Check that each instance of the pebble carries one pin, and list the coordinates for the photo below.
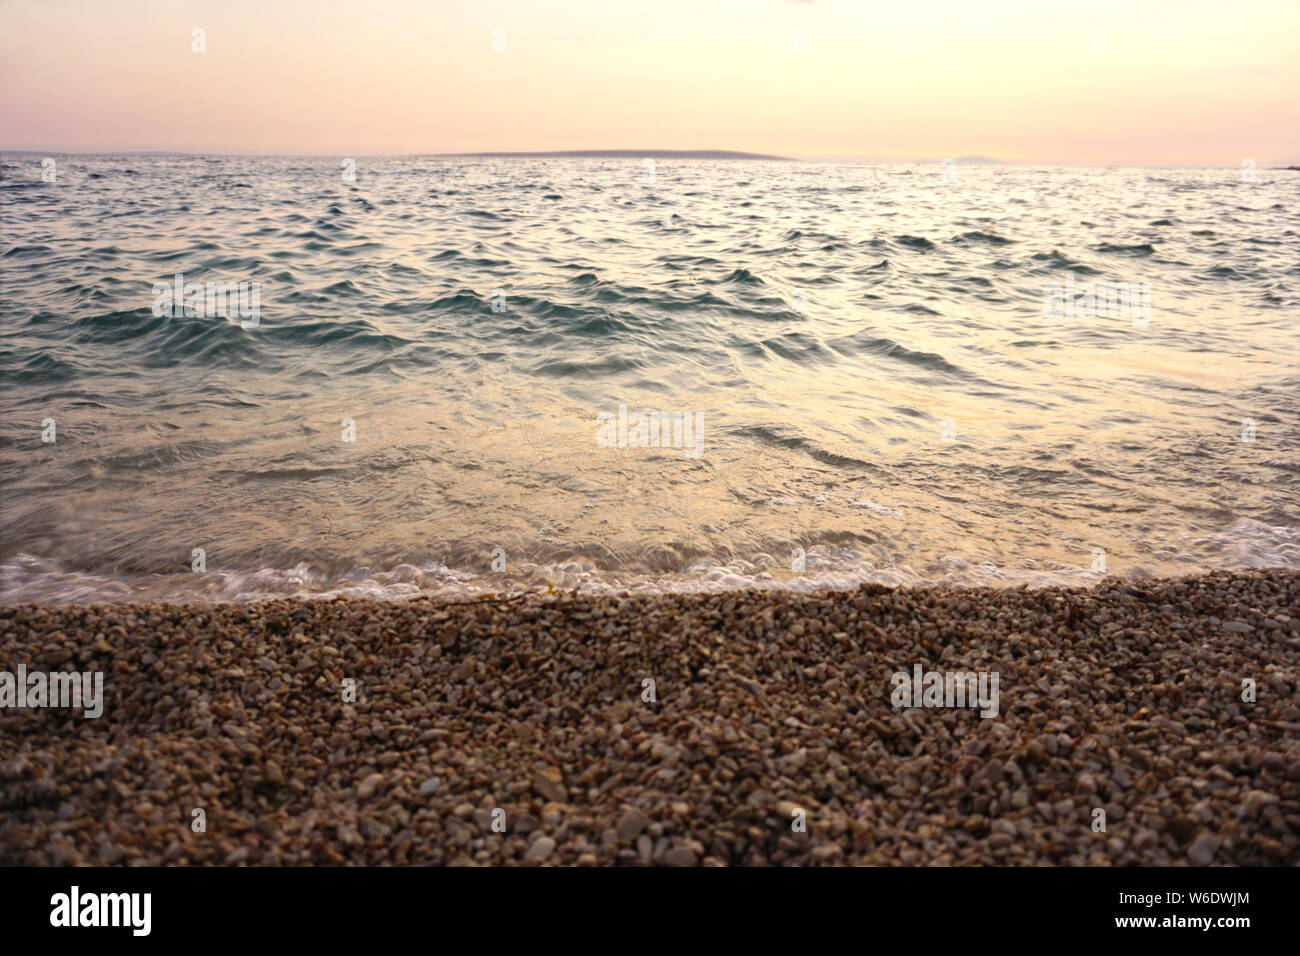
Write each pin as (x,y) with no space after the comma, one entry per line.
(540,849)
(679,856)
(1203,848)
(630,826)
(367,787)
(549,784)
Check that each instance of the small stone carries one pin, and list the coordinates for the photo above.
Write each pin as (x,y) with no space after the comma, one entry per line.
(367,787)
(630,825)
(680,856)
(1203,848)
(540,849)
(548,783)
(787,809)
(1182,827)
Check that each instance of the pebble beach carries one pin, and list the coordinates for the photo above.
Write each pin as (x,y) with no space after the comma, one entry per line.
(740,728)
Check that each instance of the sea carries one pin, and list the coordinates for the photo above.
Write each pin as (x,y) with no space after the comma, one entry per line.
(235,378)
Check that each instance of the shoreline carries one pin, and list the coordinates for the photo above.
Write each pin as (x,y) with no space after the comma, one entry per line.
(770,706)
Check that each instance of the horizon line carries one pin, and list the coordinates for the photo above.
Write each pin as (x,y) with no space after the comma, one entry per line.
(720,154)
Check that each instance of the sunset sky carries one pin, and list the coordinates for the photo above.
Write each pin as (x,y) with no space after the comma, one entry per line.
(1203,83)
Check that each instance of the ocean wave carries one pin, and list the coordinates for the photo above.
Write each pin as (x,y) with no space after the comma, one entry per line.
(27,579)
(1132,249)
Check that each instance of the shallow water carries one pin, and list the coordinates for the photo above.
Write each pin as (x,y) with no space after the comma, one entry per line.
(865,347)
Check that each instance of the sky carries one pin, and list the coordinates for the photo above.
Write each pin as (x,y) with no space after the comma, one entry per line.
(1179,82)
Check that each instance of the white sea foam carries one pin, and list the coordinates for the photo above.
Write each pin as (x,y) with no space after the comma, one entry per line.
(24,579)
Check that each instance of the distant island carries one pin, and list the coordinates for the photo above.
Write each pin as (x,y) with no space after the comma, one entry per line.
(627,154)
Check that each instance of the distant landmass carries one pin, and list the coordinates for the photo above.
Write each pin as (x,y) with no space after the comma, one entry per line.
(627,154)
(555,154)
